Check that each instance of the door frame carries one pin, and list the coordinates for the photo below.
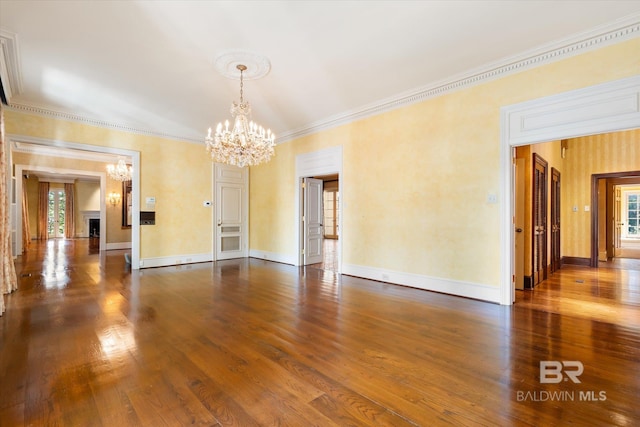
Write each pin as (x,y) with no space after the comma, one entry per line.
(237,177)
(135,187)
(595,178)
(602,108)
(323,162)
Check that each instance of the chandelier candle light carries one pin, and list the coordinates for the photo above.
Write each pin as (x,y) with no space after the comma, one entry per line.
(119,172)
(247,143)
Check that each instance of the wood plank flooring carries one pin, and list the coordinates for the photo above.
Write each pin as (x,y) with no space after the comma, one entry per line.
(87,342)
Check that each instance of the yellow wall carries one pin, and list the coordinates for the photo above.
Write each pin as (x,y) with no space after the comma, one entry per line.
(416,179)
(176,173)
(607,153)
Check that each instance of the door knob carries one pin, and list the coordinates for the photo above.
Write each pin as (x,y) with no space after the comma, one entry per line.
(518,230)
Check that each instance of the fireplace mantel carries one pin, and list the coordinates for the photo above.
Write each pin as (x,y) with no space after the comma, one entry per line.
(86,216)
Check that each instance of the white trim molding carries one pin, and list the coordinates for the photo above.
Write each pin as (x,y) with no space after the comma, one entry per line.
(428,283)
(322,162)
(605,108)
(608,107)
(272,256)
(172,260)
(118,246)
(72,117)
(10,72)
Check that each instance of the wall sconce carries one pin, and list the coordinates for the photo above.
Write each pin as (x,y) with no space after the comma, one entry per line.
(114,198)
(563,148)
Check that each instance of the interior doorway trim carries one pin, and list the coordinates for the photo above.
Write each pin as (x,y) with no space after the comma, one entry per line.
(593,262)
(135,187)
(20,170)
(322,162)
(607,107)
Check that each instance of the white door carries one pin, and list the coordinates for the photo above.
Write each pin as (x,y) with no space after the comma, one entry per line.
(231,220)
(313,214)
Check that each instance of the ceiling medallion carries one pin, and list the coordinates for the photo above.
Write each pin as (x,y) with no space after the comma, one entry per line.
(257,66)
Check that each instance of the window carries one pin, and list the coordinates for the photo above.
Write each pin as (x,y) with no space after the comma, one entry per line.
(631,211)
(56,214)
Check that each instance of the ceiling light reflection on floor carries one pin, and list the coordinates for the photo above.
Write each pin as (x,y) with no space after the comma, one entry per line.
(117,340)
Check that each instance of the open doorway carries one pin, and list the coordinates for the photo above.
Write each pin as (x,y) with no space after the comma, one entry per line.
(615,223)
(96,207)
(325,164)
(321,247)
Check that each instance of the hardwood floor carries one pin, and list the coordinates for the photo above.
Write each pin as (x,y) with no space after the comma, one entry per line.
(86,342)
(329,256)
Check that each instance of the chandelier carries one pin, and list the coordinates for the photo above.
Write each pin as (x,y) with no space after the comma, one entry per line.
(119,172)
(247,143)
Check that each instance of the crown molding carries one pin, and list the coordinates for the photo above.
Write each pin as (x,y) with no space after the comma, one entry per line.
(605,35)
(45,112)
(20,144)
(10,65)
(616,32)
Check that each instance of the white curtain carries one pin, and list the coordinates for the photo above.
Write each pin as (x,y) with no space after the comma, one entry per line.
(8,279)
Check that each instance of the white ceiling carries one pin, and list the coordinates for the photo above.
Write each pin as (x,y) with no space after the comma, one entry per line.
(149,65)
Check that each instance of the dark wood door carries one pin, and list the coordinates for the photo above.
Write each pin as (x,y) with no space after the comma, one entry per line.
(539,250)
(555,220)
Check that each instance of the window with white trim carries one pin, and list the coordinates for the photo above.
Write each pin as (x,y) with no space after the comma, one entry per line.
(631,211)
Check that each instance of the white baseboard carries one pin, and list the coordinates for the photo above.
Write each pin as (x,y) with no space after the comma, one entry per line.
(118,245)
(272,256)
(175,260)
(630,243)
(446,286)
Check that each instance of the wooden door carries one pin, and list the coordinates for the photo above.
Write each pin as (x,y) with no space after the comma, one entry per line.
(539,238)
(555,220)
